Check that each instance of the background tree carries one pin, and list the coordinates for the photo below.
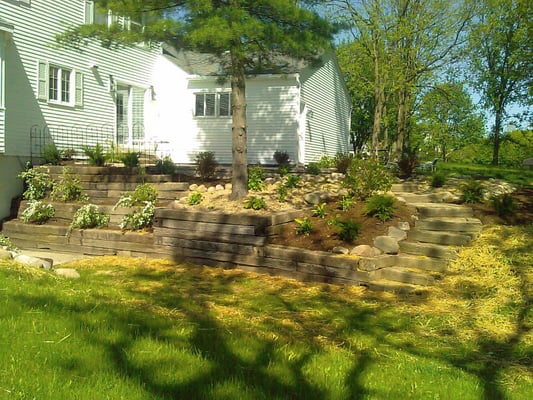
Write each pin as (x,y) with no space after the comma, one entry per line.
(501,59)
(246,35)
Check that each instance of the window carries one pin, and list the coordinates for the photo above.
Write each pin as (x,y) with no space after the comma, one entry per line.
(212,104)
(59,85)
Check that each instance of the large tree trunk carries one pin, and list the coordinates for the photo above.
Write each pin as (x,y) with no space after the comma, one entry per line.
(496,138)
(401,123)
(239,177)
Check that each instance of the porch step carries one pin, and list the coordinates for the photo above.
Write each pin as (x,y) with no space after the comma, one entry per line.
(427,249)
(438,237)
(464,225)
(429,210)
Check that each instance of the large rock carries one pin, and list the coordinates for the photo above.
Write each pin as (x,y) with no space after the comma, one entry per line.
(316,198)
(397,233)
(5,255)
(67,273)
(340,250)
(34,261)
(387,244)
(365,250)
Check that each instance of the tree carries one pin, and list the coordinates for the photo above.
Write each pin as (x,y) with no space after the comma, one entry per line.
(447,120)
(501,59)
(246,35)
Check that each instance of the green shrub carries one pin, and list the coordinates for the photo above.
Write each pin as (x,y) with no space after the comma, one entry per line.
(313,169)
(504,205)
(319,211)
(195,198)
(348,229)
(303,226)
(346,202)
(282,193)
(284,169)
(379,206)
(142,193)
(88,216)
(37,212)
(255,203)
(366,177)
(326,161)
(438,179)
(51,154)
(165,166)
(95,155)
(472,192)
(130,159)
(293,181)
(206,164)
(342,161)
(37,181)
(139,219)
(68,188)
(143,201)
(256,178)
(281,157)
(6,243)
(407,165)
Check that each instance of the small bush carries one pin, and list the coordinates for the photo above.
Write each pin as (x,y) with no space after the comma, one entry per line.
(504,205)
(37,181)
(206,164)
(143,201)
(326,161)
(438,179)
(472,192)
(142,193)
(165,166)
(346,202)
(255,203)
(88,216)
(130,159)
(256,178)
(312,169)
(95,155)
(319,211)
(195,198)
(284,170)
(37,212)
(303,226)
(407,165)
(366,177)
(51,154)
(379,206)
(293,181)
(342,162)
(281,157)
(139,219)
(6,243)
(68,188)
(282,193)
(349,230)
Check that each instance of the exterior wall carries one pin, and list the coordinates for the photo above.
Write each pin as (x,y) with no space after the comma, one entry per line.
(35,27)
(3,41)
(10,167)
(326,111)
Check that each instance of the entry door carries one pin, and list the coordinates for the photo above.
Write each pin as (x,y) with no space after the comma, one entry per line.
(123,125)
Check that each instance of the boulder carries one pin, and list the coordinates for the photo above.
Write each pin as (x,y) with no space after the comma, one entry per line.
(193,187)
(340,250)
(5,255)
(365,250)
(219,187)
(67,273)
(34,261)
(316,198)
(404,226)
(387,244)
(397,233)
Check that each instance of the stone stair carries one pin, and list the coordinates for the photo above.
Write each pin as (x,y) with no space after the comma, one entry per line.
(440,228)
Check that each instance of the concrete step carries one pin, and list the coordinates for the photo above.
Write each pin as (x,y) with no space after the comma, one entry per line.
(427,249)
(405,275)
(460,224)
(438,237)
(429,210)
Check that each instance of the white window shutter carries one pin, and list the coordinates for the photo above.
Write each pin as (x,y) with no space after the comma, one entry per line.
(78,91)
(42,81)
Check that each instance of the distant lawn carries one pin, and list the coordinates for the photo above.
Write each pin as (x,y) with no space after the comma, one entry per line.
(521,176)
(137,329)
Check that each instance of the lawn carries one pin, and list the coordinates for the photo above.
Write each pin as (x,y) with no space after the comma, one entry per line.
(150,329)
(521,177)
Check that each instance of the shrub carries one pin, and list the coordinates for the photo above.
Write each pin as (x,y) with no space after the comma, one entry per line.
(293,181)
(206,164)
(379,206)
(342,161)
(6,243)
(195,198)
(37,212)
(472,192)
(312,169)
(346,202)
(143,201)
(326,161)
(88,216)
(366,177)
(140,218)
(256,177)
(68,154)
(37,181)
(504,205)
(407,165)
(438,179)
(51,154)
(282,193)
(319,211)
(68,188)
(142,193)
(165,166)
(95,155)
(348,230)
(281,157)
(255,203)
(303,226)
(130,159)
(284,169)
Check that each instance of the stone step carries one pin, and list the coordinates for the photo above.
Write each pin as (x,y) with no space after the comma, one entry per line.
(404,275)
(403,260)
(405,187)
(421,198)
(438,237)
(427,249)
(470,225)
(383,285)
(429,210)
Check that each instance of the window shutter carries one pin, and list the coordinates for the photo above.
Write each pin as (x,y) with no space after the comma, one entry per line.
(78,91)
(42,81)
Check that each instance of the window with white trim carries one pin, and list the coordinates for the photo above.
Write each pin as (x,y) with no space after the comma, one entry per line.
(212,104)
(59,85)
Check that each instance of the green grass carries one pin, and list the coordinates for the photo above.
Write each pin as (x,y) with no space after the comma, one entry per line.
(521,177)
(138,329)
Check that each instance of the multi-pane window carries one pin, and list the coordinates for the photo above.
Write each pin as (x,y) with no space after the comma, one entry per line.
(212,104)
(59,84)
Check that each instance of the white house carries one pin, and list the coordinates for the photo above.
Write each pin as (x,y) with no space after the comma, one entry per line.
(171,101)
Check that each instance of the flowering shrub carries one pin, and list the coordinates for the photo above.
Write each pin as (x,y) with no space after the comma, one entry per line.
(367,177)
(140,218)
(68,188)
(37,181)
(143,201)
(37,212)
(88,216)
